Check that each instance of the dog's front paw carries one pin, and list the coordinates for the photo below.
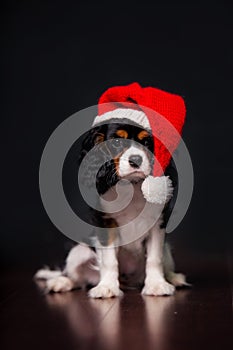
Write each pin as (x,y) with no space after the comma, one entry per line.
(105,291)
(159,288)
(59,284)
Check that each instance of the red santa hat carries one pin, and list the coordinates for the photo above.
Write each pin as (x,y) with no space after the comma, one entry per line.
(161,112)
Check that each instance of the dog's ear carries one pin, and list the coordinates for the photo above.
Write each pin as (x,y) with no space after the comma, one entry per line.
(77,164)
(170,171)
(94,161)
(92,137)
(106,177)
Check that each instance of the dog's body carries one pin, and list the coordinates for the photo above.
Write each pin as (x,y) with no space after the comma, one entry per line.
(132,251)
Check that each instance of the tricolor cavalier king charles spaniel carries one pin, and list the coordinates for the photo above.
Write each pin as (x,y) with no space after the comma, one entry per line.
(144,262)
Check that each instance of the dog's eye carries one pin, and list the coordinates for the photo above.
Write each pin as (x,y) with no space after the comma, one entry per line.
(146,142)
(116,143)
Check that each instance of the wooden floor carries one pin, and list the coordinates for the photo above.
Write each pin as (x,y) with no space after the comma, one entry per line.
(196,318)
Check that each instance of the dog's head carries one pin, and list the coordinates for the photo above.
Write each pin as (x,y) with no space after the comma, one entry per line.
(129,149)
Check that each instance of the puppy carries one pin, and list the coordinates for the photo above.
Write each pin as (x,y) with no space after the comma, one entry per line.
(128,252)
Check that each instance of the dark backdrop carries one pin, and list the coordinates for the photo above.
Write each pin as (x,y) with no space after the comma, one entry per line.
(57,58)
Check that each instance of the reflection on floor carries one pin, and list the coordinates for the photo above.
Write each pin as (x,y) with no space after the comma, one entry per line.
(196,318)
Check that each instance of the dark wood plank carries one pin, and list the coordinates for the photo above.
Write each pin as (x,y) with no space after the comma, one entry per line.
(196,318)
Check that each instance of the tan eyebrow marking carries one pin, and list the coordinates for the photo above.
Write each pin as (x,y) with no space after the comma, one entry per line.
(122,133)
(99,138)
(143,134)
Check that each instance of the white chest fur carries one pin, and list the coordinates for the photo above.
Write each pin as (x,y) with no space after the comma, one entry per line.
(136,217)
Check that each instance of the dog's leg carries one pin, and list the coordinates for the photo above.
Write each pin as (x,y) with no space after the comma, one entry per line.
(155,283)
(80,270)
(109,283)
(82,266)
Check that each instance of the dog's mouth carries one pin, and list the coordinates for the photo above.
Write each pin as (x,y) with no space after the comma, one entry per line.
(135,176)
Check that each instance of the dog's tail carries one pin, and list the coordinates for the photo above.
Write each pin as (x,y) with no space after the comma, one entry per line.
(177,279)
(47,274)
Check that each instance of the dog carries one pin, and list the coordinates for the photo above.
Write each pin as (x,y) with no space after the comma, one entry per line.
(142,261)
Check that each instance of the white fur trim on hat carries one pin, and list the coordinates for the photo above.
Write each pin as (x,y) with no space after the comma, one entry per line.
(157,189)
(136,116)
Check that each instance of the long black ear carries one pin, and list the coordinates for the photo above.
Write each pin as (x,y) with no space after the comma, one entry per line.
(71,168)
(92,163)
(170,171)
(91,138)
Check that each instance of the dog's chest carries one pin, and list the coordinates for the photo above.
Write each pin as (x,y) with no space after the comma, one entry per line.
(130,204)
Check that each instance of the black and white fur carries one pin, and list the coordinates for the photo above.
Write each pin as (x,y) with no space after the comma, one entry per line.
(144,263)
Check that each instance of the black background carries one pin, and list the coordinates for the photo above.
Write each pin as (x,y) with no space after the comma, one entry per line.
(58,58)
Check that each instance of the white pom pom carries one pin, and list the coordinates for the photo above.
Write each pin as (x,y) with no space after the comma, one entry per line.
(157,189)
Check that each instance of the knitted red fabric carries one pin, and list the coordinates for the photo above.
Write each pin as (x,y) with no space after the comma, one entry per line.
(165,112)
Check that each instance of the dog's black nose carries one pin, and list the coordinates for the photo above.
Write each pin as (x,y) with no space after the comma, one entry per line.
(135,161)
